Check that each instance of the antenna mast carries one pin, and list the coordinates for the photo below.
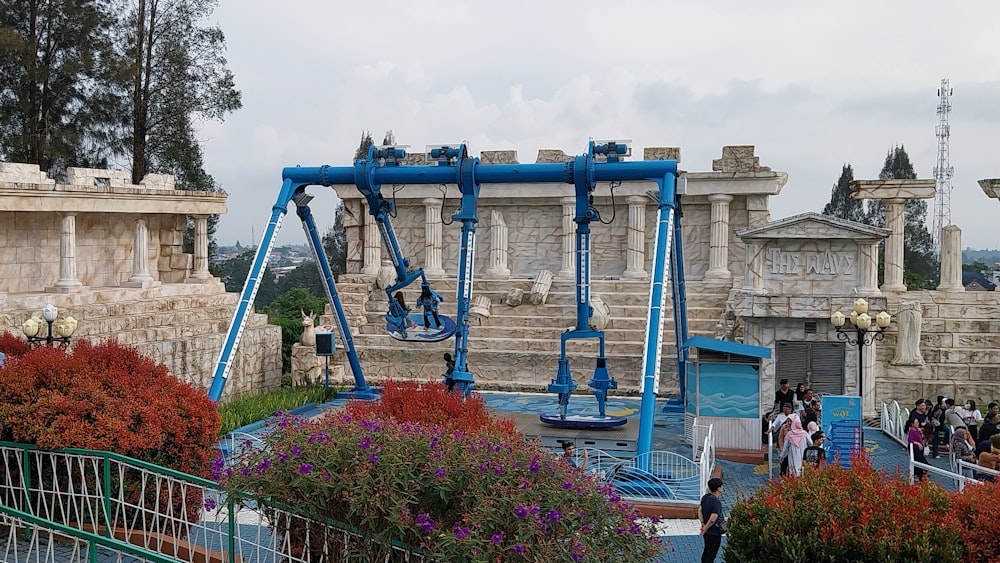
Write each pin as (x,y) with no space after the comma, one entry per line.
(943,171)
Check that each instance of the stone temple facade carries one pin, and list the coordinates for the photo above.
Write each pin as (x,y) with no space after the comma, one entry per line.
(110,255)
(765,282)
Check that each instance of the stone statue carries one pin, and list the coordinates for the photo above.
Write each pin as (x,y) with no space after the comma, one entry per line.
(601,313)
(908,343)
(308,337)
(728,325)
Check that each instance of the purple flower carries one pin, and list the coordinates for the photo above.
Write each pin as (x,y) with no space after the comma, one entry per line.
(425,522)
(460,532)
(263,466)
(373,458)
(533,468)
(554,515)
(365,443)
(533,509)
(282,458)
(517,548)
(218,464)
(521,511)
(296,450)
(497,539)
(434,443)
(210,504)
(305,468)
(370,425)
(567,486)
(440,473)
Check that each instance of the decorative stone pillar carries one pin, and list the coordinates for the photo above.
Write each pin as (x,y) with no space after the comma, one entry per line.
(432,233)
(951,259)
(568,271)
(199,271)
(718,254)
(635,256)
(868,270)
(140,254)
(753,279)
(497,267)
(373,245)
(894,245)
(871,374)
(67,255)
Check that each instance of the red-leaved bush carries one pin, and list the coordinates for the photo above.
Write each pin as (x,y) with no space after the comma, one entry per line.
(108,397)
(12,345)
(978,509)
(431,403)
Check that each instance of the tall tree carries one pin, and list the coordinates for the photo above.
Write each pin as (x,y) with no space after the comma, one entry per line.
(841,203)
(919,262)
(56,82)
(177,76)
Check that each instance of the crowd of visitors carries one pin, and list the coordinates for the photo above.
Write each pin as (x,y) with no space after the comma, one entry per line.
(795,429)
(969,435)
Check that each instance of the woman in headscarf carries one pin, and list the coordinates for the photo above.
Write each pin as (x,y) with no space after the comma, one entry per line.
(962,449)
(796,442)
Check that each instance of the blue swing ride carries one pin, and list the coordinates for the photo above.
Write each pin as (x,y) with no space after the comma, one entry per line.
(603,162)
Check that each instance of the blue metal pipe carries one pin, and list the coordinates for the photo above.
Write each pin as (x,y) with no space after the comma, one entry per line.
(361,389)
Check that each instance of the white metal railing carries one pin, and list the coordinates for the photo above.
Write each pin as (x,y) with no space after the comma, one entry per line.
(770,453)
(893,422)
(698,433)
(707,459)
(974,468)
(961,480)
(652,477)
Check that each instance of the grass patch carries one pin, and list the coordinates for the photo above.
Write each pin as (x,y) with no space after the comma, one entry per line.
(247,409)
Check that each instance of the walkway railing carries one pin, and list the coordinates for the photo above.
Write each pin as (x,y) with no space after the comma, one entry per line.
(960,480)
(893,422)
(651,478)
(159,511)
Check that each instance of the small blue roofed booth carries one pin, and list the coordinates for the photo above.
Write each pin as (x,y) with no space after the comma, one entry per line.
(723,390)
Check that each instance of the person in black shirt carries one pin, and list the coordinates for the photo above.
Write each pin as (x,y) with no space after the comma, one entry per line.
(783,394)
(815,455)
(989,427)
(449,369)
(713,523)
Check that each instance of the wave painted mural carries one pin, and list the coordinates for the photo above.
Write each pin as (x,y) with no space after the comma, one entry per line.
(724,390)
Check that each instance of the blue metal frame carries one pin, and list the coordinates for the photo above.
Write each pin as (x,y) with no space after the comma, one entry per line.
(453,167)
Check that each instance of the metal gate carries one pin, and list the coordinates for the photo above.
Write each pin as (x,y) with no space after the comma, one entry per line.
(819,364)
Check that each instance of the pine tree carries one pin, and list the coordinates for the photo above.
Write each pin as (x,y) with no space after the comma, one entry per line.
(841,203)
(919,262)
(56,82)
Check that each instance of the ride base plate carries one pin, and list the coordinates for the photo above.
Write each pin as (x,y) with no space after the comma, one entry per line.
(583,421)
(417,332)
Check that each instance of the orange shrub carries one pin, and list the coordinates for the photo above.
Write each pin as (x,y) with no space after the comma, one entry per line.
(978,509)
(431,403)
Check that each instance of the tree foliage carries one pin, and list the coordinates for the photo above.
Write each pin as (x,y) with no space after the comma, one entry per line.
(57,82)
(841,204)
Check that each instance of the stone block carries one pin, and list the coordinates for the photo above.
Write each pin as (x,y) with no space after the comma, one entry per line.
(540,289)
(180,261)
(97,177)
(498,157)
(552,155)
(661,153)
(20,173)
(158,181)
(480,307)
(514,297)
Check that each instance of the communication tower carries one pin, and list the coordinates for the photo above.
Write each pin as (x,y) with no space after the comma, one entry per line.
(943,171)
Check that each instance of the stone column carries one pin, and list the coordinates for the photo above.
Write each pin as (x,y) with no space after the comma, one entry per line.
(432,234)
(568,271)
(718,254)
(140,253)
(635,256)
(199,271)
(373,245)
(753,280)
(498,247)
(951,259)
(67,254)
(894,245)
(868,269)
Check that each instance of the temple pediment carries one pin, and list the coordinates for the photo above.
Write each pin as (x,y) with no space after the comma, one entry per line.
(813,226)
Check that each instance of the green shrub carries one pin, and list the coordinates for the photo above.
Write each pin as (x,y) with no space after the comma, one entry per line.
(844,515)
(456,495)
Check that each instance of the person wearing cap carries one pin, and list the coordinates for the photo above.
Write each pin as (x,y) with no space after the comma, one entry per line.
(815,455)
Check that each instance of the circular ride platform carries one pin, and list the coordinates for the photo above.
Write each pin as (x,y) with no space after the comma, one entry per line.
(583,421)
(417,333)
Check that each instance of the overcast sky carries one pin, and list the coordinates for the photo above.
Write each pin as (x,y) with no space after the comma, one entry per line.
(812,85)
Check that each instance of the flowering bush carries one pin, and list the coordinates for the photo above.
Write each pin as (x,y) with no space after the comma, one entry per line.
(431,403)
(838,514)
(108,397)
(456,495)
(978,509)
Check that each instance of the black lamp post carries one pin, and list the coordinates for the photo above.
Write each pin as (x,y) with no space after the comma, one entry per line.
(861,333)
(61,334)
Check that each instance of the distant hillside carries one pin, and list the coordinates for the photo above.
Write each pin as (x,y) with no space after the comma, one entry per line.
(988,257)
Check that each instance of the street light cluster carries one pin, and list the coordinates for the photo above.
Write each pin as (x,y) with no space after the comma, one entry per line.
(59,332)
(861,333)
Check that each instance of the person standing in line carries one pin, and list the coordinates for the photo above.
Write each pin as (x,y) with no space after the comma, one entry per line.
(794,447)
(449,369)
(713,522)
(784,394)
(815,455)
(915,441)
(972,418)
